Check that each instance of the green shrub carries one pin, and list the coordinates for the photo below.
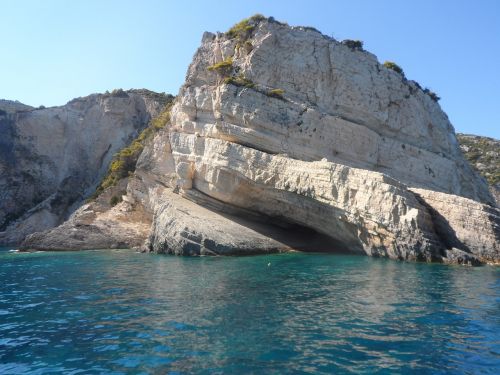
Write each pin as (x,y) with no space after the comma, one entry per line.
(276,93)
(394,66)
(124,162)
(115,200)
(310,28)
(353,44)
(160,121)
(119,93)
(239,81)
(222,66)
(243,29)
(418,85)
(432,94)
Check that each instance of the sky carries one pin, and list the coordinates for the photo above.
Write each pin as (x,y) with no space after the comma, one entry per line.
(55,50)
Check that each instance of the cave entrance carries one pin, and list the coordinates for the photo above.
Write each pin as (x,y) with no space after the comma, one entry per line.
(303,238)
(293,235)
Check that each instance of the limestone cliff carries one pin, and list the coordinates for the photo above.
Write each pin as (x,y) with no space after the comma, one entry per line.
(283,138)
(52,158)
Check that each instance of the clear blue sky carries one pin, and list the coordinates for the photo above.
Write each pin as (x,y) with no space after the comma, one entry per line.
(55,50)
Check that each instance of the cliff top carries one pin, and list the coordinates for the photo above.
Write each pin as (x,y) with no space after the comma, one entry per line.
(243,31)
(13,106)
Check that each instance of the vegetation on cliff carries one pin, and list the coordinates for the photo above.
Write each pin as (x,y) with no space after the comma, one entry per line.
(223,66)
(393,66)
(276,93)
(243,29)
(484,155)
(432,94)
(355,45)
(240,81)
(124,162)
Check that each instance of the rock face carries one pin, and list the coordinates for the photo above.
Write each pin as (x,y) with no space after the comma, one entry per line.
(50,159)
(283,138)
(484,155)
(344,106)
(97,225)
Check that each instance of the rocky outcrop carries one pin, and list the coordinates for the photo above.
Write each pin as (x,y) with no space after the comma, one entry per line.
(97,225)
(185,228)
(282,138)
(484,155)
(463,224)
(52,158)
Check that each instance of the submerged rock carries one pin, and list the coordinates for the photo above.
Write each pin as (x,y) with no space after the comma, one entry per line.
(282,136)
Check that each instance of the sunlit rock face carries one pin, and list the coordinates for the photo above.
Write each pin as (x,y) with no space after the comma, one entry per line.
(336,150)
(339,104)
(282,137)
(52,158)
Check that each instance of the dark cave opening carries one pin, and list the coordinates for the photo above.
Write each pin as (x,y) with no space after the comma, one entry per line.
(302,238)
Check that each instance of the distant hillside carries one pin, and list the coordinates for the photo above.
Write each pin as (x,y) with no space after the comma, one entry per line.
(484,155)
(11,106)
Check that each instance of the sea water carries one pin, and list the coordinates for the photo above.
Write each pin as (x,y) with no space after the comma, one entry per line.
(123,312)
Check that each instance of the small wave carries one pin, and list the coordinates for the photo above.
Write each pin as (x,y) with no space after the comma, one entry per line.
(24,252)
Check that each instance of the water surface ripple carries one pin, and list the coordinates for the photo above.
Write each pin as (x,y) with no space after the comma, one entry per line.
(122,312)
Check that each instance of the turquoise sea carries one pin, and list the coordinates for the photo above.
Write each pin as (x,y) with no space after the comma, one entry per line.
(121,312)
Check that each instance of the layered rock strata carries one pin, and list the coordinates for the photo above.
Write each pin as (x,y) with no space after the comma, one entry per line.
(281,130)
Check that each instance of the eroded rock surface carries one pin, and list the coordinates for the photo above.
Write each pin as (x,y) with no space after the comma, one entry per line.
(52,158)
(287,129)
(97,225)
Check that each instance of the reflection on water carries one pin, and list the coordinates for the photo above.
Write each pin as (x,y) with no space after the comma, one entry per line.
(122,312)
